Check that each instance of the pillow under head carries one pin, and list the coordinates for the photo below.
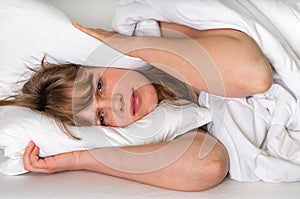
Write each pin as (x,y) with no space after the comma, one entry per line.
(32,29)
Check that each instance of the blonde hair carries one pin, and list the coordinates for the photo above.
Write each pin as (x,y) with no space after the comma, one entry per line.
(168,87)
(50,91)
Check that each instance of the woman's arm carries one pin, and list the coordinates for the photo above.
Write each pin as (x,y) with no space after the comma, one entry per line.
(222,62)
(178,165)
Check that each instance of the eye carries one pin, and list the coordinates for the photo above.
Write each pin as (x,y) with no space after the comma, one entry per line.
(102,118)
(100,86)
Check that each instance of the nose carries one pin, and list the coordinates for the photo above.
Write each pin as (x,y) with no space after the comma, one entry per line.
(114,102)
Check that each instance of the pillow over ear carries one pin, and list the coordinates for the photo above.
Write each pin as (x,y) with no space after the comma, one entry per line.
(32,29)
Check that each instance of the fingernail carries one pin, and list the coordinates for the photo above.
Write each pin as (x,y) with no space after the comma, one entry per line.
(75,23)
(30,143)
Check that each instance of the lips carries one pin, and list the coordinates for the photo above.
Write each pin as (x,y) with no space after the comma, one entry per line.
(135,102)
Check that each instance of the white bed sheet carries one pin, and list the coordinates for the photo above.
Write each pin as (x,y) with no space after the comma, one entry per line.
(84,184)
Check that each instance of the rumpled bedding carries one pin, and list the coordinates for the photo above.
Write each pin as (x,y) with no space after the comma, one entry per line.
(260,132)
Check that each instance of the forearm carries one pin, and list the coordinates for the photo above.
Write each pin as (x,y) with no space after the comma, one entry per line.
(218,64)
(174,165)
(222,61)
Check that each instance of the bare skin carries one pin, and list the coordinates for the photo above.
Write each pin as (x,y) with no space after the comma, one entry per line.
(225,62)
(186,171)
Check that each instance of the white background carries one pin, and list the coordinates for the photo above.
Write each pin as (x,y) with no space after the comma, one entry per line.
(92,13)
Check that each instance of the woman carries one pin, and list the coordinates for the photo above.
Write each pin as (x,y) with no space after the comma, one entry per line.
(118,97)
(188,171)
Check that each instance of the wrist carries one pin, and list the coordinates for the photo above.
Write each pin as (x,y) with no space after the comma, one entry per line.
(80,160)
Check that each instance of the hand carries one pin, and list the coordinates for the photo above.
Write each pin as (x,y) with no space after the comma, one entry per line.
(53,164)
(121,43)
(98,33)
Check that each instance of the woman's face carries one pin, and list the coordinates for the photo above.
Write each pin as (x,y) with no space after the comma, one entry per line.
(120,97)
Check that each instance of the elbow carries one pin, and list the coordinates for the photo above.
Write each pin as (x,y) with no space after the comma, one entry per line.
(262,86)
(262,78)
(209,171)
(199,181)
(216,169)
(217,172)
(259,73)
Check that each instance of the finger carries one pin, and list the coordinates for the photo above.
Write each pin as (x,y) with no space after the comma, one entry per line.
(26,155)
(29,146)
(34,155)
(82,28)
(35,160)
(88,31)
(77,25)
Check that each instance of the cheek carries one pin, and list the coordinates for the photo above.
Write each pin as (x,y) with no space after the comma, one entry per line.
(152,99)
(149,100)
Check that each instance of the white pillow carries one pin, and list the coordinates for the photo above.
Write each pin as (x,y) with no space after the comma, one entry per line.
(20,125)
(29,30)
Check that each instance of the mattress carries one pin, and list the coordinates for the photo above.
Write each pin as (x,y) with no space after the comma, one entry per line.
(85,184)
